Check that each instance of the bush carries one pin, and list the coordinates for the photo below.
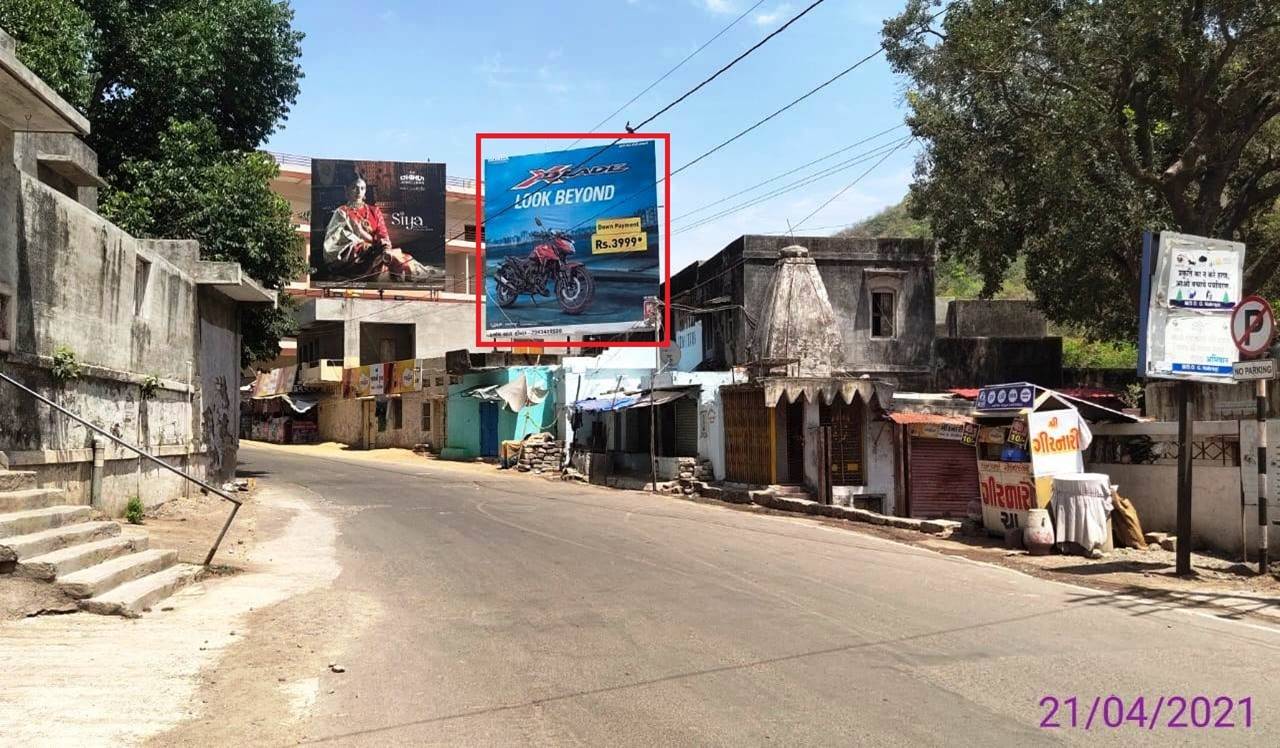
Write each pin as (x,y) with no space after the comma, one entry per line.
(134,511)
(66,368)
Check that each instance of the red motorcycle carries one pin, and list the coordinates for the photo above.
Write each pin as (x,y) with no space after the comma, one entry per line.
(574,288)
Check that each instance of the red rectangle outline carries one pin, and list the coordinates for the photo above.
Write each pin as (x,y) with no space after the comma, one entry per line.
(665,137)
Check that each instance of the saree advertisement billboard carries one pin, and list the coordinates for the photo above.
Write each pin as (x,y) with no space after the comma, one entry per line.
(377,224)
(571,242)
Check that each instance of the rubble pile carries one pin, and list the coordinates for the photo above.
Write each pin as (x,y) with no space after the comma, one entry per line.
(541,454)
(691,475)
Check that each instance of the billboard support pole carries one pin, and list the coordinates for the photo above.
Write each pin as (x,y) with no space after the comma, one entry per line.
(1261,397)
(653,417)
(1185,434)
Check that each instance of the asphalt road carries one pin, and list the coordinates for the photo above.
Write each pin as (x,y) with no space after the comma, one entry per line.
(518,611)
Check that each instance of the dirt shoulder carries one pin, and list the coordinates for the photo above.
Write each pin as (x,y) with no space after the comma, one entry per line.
(281,548)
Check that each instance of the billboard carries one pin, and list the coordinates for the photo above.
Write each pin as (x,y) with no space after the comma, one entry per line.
(571,242)
(377,224)
(1190,284)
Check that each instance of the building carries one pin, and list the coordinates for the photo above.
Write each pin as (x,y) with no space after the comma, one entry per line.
(139,337)
(799,419)
(880,293)
(345,329)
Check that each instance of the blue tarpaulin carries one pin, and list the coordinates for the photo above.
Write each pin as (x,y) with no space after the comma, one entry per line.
(601,404)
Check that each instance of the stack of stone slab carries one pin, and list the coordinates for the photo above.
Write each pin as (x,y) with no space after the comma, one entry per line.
(692,473)
(542,453)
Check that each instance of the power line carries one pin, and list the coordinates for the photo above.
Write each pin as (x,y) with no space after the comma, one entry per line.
(797,184)
(802,182)
(788,173)
(667,74)
(730,64)
(849,186)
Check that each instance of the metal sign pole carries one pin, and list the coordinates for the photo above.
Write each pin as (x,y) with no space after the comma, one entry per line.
(1262,476)
(1185,435)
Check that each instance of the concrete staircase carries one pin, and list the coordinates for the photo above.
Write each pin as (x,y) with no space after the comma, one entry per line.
(104,567)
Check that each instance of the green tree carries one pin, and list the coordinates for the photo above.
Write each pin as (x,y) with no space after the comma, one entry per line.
(179,94)
(1059,130)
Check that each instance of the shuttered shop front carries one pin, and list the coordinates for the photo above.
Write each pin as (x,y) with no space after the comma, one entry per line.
(942,477)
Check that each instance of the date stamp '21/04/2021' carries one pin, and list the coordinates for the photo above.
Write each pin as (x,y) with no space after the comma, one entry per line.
(1148,713)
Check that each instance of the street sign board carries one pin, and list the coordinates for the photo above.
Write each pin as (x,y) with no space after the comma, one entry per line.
(1006,396)
(1253,325)
(1189,286)
(1263,368)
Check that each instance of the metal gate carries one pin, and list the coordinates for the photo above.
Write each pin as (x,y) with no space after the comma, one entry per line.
(847,421)
(748,436)
(942,477)
(686,421)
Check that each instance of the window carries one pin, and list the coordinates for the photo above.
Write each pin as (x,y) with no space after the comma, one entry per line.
(426,416)
(7,309)
(142,273)
(882,314)
(469,232)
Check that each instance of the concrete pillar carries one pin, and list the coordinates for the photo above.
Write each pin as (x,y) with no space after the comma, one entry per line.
(99,461)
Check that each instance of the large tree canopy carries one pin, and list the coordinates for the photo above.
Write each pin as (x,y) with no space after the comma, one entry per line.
(179,94)
(1061,129)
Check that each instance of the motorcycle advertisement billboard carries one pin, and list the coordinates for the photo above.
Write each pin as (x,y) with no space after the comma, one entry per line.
(571,242)
(377,224)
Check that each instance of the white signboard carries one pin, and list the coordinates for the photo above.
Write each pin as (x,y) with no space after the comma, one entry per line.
(1264,368)
(1056,439)
(1194,286)
(1203,278)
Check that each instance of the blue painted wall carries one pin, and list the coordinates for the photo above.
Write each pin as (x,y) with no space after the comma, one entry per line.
(462,440)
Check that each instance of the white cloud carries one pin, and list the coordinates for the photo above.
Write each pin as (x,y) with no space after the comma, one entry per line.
(768,18)
(718,6)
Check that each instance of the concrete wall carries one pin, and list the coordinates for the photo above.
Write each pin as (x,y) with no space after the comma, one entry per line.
(77,283)
(974,362)
(995,318)
(1216,499)
(439,326)
(341,420)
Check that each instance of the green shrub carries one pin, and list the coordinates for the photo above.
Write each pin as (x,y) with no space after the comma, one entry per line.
(66,367)
(134,511)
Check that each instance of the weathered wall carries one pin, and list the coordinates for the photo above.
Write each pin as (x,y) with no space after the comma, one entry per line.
(218,412)
(78,285)
(1208,401)
(439,326)
(850,269)
(974,362)
(995,318)
(710,412)
(341,420)
(59,450)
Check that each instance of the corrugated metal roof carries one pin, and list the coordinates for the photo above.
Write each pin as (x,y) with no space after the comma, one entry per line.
(909,418)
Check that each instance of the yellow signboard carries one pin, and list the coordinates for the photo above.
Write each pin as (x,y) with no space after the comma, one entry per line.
(619,235)
(618,226)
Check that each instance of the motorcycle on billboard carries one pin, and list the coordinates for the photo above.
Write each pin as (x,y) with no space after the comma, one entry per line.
(571,242)
(571,282)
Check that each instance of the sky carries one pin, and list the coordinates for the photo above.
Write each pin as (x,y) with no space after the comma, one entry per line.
(415,80)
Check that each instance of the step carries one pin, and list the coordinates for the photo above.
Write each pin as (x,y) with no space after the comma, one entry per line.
(35,520)
(17,480)
(65,561)
(30,498)
(37,543)
(133,598)
(109,574)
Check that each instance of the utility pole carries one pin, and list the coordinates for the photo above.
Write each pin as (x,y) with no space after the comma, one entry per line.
(653,408)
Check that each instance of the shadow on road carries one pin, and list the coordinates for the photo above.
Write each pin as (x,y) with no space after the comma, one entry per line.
(1141,601)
